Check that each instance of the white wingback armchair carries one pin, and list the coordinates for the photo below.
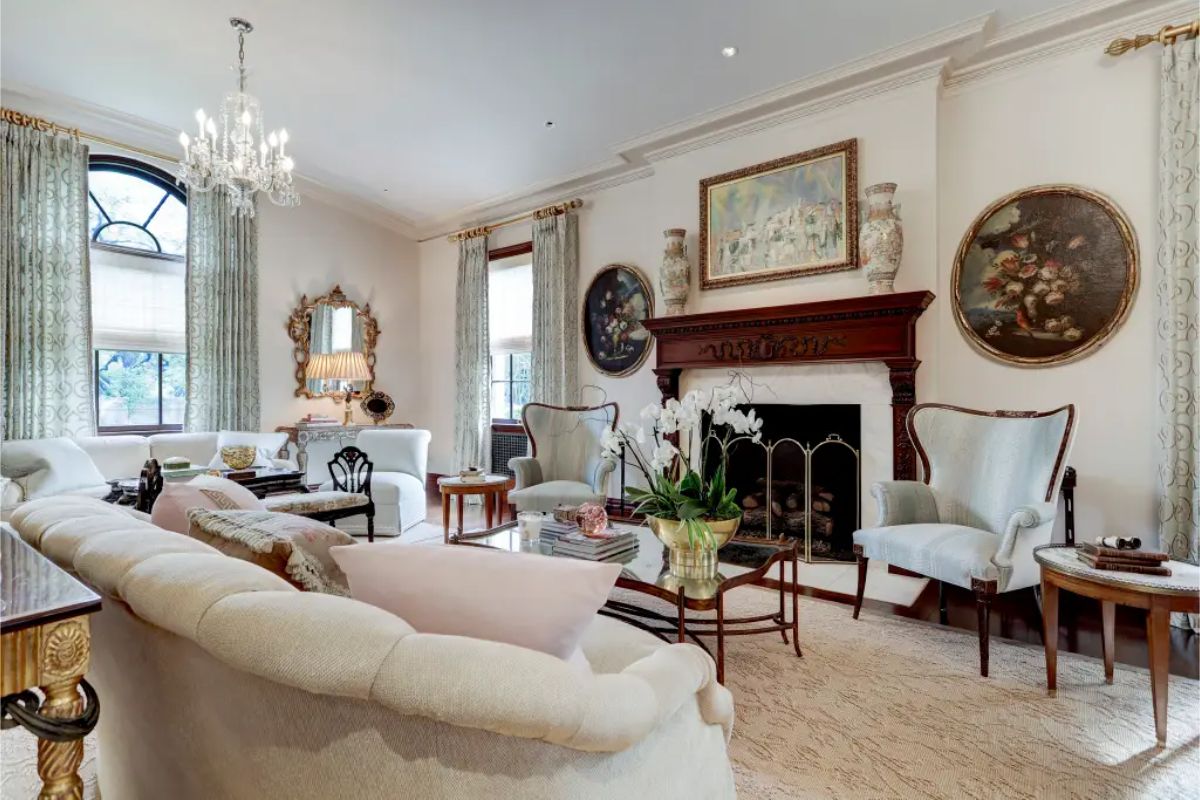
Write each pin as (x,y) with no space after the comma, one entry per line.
(566,465)
(988,498)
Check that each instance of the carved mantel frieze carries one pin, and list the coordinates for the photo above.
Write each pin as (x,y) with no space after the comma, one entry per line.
(875,328)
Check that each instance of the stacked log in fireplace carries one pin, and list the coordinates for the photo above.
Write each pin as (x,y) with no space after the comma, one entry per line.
(786,506)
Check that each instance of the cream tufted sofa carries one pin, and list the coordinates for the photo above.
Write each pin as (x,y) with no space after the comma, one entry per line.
(218,679)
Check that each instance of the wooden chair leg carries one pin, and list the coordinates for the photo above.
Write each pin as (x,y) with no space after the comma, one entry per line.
(370,528)
(943,614)
(862,578)
(984,592)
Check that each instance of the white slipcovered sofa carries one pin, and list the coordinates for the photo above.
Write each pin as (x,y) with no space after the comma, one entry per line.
(219,679)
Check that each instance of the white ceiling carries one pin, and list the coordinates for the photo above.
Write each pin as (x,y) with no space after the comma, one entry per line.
(432,108)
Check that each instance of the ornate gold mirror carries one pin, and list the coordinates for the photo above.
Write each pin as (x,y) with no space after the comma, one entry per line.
(332,323)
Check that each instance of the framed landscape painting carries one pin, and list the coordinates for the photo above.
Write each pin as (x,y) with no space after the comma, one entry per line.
(792,216)
(616,302)
(1045,275)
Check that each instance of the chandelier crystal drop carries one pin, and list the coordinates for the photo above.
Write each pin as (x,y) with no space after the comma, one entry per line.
(230,150)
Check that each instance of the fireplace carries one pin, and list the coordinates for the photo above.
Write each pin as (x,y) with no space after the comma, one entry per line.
(803,480)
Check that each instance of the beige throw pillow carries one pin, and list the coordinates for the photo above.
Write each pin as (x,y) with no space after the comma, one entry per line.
(294,548)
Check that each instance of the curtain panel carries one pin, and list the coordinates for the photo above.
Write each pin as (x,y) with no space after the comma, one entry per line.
(1178,306)
(45,302)
(472,364)
(222,316)
(556,327)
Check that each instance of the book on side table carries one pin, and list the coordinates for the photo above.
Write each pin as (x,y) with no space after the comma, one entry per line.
(1121,559)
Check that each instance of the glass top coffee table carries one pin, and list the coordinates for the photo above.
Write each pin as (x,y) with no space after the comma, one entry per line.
(646,571)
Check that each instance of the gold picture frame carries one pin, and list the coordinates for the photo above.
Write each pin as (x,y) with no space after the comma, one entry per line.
(612,363)
(1045,275)
(811,197)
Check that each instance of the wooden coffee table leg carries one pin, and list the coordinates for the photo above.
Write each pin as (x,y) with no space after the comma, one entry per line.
(796,604)
(445,517)
(1050,631)
(721,637)
(488,501)
(1158,638)
(682,620)
(460,513)
(1108,614)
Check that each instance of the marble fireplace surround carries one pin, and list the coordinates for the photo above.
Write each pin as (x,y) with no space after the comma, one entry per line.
(864,331)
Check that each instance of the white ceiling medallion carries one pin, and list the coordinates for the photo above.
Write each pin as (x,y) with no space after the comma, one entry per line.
(232,152)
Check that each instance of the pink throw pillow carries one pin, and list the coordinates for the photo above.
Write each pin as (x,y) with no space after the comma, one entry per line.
(203,491)
(534,601)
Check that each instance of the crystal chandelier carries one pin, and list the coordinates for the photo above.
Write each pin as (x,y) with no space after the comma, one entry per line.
(231,150)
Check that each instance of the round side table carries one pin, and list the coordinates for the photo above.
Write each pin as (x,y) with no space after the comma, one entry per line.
(1158,594)
(494,489)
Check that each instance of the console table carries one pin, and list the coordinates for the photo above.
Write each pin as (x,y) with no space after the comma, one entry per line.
(45,642)
(301,433)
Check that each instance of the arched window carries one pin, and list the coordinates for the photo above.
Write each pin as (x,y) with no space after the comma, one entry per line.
(138,227)
(135,206)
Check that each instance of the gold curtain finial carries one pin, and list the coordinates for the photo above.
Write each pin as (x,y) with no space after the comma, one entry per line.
(540,213)
(1166,36)
(14,117)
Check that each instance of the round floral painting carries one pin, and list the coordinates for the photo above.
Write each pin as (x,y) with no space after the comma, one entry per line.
(617,301)
(1045,275)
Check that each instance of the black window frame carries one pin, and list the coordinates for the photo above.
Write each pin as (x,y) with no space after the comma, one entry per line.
(117,430)
(151,174)
(511,419)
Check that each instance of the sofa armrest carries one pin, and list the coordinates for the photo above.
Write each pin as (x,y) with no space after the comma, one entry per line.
(600,479)
(1038,518)
(527,469)
(904,503)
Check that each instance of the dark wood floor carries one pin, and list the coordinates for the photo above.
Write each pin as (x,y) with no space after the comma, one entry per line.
(1014,616)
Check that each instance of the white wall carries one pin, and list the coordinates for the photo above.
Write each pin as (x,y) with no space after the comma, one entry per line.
(1071,118)
(308,249)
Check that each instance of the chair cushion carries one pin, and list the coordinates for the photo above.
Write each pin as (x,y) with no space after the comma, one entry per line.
(951,553)
(545,496)
(203,491)
(47,467)
(294,548)
(311,502)
(529,600)
(386,487)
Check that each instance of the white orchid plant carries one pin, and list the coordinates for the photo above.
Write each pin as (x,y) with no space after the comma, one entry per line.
(672,446)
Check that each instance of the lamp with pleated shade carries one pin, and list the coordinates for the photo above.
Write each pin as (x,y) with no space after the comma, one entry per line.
(342,366)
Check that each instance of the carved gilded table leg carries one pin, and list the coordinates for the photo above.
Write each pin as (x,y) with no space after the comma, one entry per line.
(58,762)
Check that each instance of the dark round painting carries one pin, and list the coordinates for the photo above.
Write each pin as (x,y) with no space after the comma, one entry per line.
(1045,275)
(615,304)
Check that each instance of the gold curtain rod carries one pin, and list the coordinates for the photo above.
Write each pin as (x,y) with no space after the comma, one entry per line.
(1166,36)
(540,213)
(37,123)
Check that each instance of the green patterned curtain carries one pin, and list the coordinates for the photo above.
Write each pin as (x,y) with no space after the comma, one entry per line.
(555,377)
(222,316)
(472,358)
(45,300)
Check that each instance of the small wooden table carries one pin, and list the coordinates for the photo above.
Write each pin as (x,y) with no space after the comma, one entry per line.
(45,643)
(494,489)
(1158,594)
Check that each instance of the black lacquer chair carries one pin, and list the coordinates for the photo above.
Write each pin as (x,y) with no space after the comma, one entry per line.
(351,471)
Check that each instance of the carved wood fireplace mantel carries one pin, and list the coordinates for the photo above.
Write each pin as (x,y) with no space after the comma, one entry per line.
(873,328)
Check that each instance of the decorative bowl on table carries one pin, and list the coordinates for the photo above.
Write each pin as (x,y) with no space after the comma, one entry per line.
(176,462)
(238,456)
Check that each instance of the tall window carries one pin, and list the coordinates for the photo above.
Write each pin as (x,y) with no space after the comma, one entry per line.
(138,224)
(510,326)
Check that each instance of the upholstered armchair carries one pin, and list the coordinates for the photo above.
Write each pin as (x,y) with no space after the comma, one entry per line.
(989,496)
(566,465)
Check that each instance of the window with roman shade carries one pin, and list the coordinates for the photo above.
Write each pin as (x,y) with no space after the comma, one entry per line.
(510,330)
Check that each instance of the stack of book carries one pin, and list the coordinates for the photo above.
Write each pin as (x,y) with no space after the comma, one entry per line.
(552,530)
(620,546)
(1144,562)
(320,419)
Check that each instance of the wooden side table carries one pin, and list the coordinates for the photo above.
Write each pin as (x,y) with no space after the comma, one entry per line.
(45,643)
(494,489)
(1158,594)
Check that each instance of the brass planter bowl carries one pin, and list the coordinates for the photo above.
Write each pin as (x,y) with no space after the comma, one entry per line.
(238,456)
(693,560)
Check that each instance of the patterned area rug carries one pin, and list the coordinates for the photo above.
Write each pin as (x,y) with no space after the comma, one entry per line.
(891,708)
(885,707)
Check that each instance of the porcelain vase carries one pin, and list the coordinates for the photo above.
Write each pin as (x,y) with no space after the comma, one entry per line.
(675,277)
(881,239)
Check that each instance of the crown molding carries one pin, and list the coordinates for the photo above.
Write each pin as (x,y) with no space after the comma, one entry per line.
(1082,25)
(139,132)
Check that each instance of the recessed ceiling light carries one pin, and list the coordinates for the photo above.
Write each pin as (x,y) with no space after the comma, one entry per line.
(549,123)
(729,52)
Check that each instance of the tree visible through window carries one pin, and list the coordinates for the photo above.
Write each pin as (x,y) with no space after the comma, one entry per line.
(510,329)
(138,225)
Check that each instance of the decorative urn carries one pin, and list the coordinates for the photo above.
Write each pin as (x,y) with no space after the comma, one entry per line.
(881,239)
(675,278)
(693,557)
